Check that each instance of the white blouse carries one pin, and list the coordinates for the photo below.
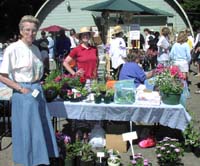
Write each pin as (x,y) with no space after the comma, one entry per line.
(117,52)
(22,62)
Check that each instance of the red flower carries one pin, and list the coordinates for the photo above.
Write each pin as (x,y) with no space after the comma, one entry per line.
(58,79)
(82,80)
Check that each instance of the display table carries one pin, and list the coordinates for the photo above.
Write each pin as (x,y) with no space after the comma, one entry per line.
(173,116)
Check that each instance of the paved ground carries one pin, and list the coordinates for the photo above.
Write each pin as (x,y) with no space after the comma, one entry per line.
(189,159)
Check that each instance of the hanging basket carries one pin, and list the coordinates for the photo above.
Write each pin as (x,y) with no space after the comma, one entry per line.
(171,99)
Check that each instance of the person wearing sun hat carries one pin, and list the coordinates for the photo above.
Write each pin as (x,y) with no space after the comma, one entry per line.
(117,50)
(85,55)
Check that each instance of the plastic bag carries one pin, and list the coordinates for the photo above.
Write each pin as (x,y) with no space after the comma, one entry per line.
(97,136)
(124,92)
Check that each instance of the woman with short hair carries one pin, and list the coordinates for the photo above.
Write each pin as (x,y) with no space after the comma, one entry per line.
(33,137)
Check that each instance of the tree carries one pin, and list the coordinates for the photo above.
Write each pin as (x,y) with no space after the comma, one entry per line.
(11,12)
(192,8)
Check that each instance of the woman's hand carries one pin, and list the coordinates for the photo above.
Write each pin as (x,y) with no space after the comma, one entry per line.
(24,90)
(80,72)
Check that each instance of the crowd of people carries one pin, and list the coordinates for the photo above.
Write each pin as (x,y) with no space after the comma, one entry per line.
(26,60)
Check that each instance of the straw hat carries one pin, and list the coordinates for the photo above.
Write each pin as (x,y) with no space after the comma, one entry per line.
(84,30)
(117,29)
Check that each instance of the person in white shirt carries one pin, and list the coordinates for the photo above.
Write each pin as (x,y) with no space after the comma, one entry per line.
(33,137)
(74,41)
(117,51)
(163,46)
(148,37)
(51,46)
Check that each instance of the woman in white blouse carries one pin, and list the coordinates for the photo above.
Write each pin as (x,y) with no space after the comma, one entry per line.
(163,46)
(117,50)
(22,68)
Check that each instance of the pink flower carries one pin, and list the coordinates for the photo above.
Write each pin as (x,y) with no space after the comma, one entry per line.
(67,140)
(174,70)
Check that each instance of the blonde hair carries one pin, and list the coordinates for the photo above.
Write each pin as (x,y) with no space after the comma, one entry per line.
(182,37)
(28,18)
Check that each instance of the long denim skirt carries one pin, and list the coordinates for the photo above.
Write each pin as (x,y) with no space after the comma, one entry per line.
(33,136)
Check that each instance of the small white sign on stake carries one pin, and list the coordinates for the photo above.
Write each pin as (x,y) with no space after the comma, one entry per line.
(130,136)
(100,155)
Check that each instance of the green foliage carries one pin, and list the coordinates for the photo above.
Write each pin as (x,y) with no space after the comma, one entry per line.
(114,160)
(192,8)
(77,148)
(110,92)
(70,151)
(86,152)
(191,135)
(50,81)
(52,75)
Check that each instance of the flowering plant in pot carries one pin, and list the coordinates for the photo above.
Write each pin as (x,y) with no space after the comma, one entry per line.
(71,87)
(62,140)
(50,87)
(139,160)
(169,81)
(169,152)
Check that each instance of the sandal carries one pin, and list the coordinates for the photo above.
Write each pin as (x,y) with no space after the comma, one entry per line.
(197,92)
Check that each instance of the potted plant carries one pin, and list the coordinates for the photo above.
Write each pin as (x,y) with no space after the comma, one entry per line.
(66,150)
(50,91)
(114,161)
(170,82)
(108,98)
(95,88)
(71,87)
(139,160)
(103,161)
(114,158)
(169,152)
(50,86)
(70,154)
(77,151)
(192,139)
(87,155)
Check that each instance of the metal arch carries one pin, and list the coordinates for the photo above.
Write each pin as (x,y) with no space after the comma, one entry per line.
(44,4)
(187,19)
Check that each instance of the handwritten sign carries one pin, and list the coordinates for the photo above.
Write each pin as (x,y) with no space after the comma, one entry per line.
(130,136)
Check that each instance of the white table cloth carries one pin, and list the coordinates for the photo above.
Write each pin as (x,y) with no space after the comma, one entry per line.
(174,116)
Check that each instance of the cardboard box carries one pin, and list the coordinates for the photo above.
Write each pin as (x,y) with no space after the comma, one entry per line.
(115,141)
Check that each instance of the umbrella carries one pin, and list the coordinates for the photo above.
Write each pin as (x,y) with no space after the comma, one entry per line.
(121,6)
(53,28)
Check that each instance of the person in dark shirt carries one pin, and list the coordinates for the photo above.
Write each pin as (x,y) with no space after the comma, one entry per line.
(63,44)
